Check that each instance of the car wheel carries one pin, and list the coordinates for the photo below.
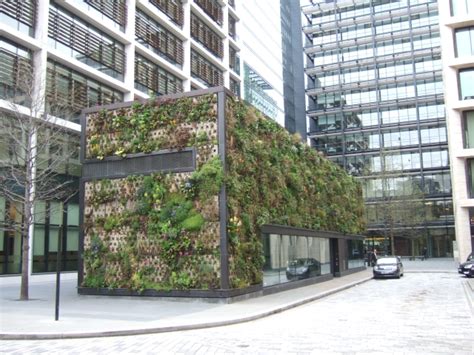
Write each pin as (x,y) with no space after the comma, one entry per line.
(398,276)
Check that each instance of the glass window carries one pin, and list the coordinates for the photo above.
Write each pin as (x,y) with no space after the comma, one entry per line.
(461,7)
(68,92)
(466,83)
(470,181)
(465,38)
(358,165)
(399,114)
(367,118)
(435,159)
(15,72)
(290,258)
(437,184)
(96,49)
(329,145)
(433,135)
(20,15)
(154,80)
(400,138)
(328,123)
(430,88)
(431,111)
(469,129)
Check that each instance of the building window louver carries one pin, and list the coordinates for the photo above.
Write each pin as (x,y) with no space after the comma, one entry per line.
(154,80)
(171,8)
(115,10)
(23,12)
(100,52)
(212,9)
(206,36)
(157,38)
(202,69)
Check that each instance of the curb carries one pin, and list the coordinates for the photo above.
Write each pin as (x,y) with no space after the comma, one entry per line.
(142,331)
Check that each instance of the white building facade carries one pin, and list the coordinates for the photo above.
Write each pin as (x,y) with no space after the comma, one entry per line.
(457,35)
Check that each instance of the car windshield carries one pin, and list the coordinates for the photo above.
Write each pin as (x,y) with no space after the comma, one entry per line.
(386,261)
(297,262)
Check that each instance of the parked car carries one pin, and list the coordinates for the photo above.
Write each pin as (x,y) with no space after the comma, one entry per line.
(303,268)
(467,268)
(388,266)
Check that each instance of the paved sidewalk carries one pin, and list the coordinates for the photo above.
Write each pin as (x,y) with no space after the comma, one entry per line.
(97,316)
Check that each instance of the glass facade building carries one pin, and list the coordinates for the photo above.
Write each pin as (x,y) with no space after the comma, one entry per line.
(377,108)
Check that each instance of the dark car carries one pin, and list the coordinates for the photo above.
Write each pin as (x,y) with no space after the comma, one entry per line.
(303,268)
(467,268)
(388,266)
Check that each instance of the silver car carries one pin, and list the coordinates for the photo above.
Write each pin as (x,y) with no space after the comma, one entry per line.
(388,266)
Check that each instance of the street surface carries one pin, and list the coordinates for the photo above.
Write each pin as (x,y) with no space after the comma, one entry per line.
(418,314)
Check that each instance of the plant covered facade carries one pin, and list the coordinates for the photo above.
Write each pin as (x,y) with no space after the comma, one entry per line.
(175,190)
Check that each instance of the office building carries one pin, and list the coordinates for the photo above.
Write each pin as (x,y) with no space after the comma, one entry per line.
(457,35)
(262,57)
(377,108)
(293,67)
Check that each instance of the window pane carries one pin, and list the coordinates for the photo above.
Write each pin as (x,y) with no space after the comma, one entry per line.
(470,181)
(464,38)
(469,130)
(466,81)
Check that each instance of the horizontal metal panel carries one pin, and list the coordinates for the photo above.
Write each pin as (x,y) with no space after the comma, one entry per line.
(165,161)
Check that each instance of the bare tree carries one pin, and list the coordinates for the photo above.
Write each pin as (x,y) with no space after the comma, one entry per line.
(402,205)
(35,166)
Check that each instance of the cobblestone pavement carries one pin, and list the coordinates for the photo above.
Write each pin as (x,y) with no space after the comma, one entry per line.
(418,314)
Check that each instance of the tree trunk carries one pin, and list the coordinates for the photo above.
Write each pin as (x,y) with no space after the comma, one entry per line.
(28,204)
(25,274)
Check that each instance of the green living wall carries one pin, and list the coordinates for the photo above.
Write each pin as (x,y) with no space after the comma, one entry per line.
(162,231)
(273,178)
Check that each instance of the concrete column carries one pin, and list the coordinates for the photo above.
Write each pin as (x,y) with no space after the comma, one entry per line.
(225,59)
(129,77)
(187,45)
(454,119)
(37,108)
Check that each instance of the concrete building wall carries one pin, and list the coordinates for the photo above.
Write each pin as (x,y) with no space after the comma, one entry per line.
(457,106)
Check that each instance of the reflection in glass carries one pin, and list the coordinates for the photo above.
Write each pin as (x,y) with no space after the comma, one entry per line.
(466,82)
(290,258)
(461,7)
(470,181)
(355,250)
(469,129)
